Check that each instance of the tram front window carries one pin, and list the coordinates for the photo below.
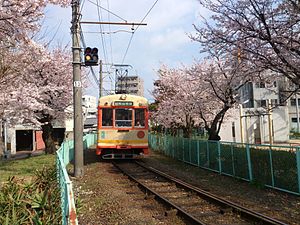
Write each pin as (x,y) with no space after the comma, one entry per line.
(107,115)
(139,118)
(123,118)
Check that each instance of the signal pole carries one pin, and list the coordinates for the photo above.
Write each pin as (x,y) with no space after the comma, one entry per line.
(100,78)
(77,91)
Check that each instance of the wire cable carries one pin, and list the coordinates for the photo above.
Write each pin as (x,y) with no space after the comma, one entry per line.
(136,30)
(108,11)
(110,38)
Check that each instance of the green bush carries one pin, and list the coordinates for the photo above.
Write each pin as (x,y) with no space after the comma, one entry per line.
(37,202)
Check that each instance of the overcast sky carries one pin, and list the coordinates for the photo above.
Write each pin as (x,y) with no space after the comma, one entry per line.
(163,40)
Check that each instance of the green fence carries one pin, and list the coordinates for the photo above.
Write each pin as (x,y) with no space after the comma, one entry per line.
(64,155)
(277,167)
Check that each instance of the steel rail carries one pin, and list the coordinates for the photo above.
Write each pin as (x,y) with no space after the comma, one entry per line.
(244,212)
(180,212)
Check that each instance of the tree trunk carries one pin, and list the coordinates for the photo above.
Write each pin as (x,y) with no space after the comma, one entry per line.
(1,147)
(213,136)
(187,132)
(48,139)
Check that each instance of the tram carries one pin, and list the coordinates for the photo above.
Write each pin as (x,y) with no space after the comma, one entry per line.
(122,127)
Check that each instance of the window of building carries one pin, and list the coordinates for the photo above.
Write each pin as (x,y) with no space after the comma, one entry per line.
(262,103)
(260,85)
(139,118)
(294,119)
(107,117)
(274,102)
(293,102)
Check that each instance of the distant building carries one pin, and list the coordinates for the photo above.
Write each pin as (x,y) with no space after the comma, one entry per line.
(131,85)
(89,109)
(266,113)
(25,137)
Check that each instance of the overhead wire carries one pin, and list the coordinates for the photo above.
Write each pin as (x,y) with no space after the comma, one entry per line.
(96,80)
(110,41)
(130,40)
(110,32)
(104,46)
(81,7)
(108,11)
(102,37)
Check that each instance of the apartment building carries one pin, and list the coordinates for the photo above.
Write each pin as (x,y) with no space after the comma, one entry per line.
(267,113)
(131,85)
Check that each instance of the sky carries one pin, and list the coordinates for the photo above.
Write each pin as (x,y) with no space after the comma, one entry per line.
(164,40)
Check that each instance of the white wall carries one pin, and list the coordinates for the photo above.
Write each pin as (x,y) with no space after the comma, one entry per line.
(260,124)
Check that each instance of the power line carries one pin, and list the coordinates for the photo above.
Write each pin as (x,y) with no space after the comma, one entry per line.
(102,37)
(108,11)
(127,47)
(109,28)
(136,30)
(147,14)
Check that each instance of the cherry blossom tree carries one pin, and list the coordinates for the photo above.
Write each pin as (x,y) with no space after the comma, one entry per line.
(199,95)
(173,92)
(265,32)
(42,91)
(18,19)
(35,82)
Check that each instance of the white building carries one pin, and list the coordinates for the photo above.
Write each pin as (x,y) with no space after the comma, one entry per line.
(89,108)
(263,116)
(22,137)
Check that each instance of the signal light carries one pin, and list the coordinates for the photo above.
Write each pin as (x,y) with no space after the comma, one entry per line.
(91,56)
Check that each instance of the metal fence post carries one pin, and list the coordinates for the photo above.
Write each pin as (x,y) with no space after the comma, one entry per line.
(183,149)
(198,153)
(249,162)
(207,154)
(232,158)
(298,166)
(190,150)
(219,157)
(271,166)
(173,147)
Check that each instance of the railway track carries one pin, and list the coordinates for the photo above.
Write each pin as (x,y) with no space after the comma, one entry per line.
(193,205)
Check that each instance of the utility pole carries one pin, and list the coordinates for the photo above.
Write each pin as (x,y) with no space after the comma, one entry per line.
(100,78)
(77,91)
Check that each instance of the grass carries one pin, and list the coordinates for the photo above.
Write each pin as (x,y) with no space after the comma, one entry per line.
(24,168)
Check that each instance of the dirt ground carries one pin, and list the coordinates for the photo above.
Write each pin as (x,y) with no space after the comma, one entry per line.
(107,197)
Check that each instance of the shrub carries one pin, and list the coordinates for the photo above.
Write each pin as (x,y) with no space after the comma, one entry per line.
(37,202)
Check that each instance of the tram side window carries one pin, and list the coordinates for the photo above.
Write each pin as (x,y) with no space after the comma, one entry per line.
(139,118)
(107,116)
(123,118)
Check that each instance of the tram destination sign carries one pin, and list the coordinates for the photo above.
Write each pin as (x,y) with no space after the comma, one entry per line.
(123,103)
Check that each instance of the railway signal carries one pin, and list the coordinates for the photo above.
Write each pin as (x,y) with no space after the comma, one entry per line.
(91,56)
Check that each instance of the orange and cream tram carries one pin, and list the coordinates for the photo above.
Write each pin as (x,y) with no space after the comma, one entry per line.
(122,126)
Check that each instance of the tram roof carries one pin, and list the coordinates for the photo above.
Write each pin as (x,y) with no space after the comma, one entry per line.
(109,99)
